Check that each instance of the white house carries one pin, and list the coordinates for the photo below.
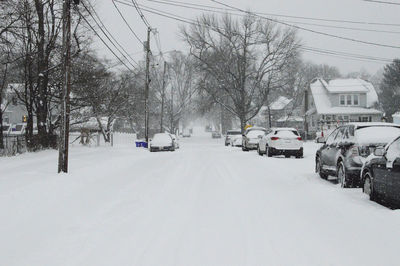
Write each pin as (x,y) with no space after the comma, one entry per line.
(340,101)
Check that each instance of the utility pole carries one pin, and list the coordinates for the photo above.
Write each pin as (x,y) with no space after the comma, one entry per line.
(63,143)
(305,113)
(163,98)
(147,85)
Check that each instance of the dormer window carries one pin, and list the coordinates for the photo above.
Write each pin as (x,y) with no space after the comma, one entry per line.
(349,100)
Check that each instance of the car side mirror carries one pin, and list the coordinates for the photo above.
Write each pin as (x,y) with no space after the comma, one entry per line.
(380,152)
(321,140)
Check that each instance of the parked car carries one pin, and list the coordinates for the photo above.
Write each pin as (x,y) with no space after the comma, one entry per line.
(176,141)
(380,175)
(162,142)
(216,135)
(230,134)
(281,141)
(347,148)
(186,133)
(251,138)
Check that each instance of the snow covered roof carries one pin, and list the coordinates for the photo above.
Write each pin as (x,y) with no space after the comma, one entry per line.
(347,85)
(320,90)
(354,85)
(291,119)
(280,103)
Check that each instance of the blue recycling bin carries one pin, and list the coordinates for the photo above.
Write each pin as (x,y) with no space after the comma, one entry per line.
(138,144)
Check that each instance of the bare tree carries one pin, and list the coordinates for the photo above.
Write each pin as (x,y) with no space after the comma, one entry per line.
(243,57)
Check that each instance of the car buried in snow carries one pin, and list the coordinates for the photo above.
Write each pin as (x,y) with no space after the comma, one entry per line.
(251,138)
(380,174)
(230,135)
(162,142)
(348,146)
(281,141)
(216,135)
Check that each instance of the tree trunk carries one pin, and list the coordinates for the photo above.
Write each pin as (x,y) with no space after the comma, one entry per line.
(1,126)
(41,111)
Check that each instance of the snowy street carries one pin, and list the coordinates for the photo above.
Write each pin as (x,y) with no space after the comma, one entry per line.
(205,204)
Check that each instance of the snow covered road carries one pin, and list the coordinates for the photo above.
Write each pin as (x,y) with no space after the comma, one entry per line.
(204,204)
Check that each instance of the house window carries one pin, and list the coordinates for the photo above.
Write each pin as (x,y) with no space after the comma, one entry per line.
(342,100)
(345,118)
(355,99)
(365,119)
(348,100)
(14,100)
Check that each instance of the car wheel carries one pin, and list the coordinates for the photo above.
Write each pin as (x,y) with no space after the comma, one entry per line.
(287,156)
(318,169)
(342,176)
(151,150)
(244,148)
(268,151)
(259,151)
(368,187)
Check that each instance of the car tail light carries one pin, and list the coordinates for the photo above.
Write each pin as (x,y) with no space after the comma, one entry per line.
(299,138)
(274,138)
(354,151)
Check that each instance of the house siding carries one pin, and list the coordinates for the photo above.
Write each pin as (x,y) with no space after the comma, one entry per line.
(334,98)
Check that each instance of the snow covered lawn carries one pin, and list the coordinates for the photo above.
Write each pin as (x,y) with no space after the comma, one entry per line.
(204,204)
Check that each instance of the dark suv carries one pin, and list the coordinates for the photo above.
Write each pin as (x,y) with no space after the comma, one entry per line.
(346,148)
(381,174)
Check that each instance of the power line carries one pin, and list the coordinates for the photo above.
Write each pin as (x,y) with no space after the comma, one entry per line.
(289,16)
(126,22)
(310,30)
(105,28)
(383,2)
(144,19)
(102,40)
(224,11)
(338,54)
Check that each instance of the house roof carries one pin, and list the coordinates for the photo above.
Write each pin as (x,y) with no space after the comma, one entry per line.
(354,85)
(291,119)
(320,90)
(280,103)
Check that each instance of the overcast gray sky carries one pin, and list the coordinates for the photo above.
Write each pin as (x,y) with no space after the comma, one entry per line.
(354,10)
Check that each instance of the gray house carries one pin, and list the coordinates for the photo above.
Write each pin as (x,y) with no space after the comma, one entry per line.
(14,111)
(340,101)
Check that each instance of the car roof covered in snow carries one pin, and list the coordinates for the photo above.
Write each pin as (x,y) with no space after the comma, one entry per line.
(373,124)
(284,128)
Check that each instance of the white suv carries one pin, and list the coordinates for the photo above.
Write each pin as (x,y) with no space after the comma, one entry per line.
(281,141)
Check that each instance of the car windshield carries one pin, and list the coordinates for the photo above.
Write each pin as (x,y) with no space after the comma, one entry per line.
(286,134)
(376,134)
(255,133)
(161,137)
(234,133)
(18,127)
